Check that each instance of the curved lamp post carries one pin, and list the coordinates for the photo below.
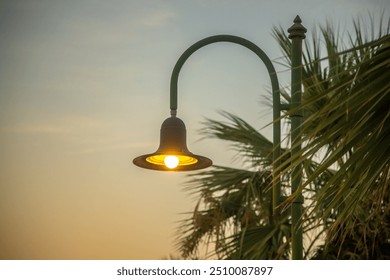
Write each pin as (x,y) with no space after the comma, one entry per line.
(173,154)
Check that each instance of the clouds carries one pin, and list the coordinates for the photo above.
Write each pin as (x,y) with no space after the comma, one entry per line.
(157,18)
(66,125)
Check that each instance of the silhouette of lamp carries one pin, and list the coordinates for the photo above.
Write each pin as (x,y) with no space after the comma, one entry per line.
(173,154)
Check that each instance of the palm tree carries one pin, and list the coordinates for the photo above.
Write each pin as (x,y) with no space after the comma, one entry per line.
(345,159)
(234,205)
(347,119)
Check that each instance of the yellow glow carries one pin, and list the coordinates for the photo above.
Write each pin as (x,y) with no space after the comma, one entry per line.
(171,161)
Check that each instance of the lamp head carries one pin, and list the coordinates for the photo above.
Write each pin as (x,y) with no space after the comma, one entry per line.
(172,154)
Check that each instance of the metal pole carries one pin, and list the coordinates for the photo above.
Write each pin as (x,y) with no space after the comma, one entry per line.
(297,34)
(276,187)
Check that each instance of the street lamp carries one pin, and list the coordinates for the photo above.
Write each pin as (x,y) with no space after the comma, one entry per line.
(173,154)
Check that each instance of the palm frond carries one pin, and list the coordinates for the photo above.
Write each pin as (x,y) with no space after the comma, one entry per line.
(246,140)
(229,200)
(347,118)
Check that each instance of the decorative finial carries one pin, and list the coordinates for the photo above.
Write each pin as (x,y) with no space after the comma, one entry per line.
(297,29)
(297,19)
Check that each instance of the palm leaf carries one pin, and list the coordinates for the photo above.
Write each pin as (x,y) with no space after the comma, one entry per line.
(351,126)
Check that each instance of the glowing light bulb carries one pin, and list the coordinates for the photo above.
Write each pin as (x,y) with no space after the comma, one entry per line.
(171,161)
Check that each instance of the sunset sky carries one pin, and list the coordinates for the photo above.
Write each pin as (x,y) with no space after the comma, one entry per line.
(84,88)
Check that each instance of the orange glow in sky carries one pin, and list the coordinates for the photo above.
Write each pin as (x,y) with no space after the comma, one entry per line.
(84,88)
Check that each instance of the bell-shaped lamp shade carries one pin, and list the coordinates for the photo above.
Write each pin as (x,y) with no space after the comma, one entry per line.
(172,154)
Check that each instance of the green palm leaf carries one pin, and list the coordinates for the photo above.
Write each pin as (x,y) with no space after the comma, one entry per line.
(347,120)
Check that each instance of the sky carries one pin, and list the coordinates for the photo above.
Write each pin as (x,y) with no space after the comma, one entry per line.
(84,88)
